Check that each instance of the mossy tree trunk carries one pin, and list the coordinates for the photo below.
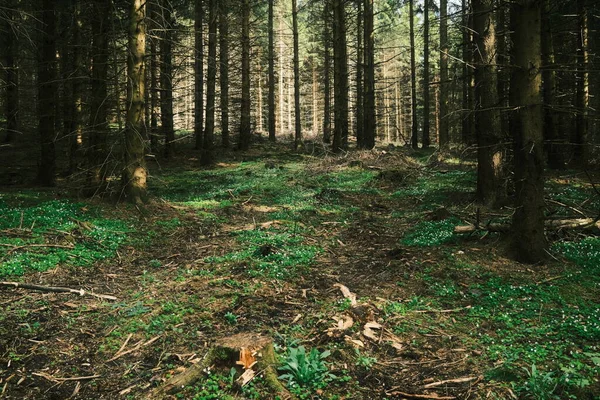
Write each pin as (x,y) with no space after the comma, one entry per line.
(490,156)
(134,172)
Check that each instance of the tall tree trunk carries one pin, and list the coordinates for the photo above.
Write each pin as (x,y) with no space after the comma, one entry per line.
(297,112)
(207,156)
(327,72)
(487,117)
(552,136)
(443,134)
(582,145)
(75,120)
(360,87)
(340,134)
(134,173)
(153,92)
(426,116)
(245,128)
(11,47)
(98,125)
(46,92)
(529,241)
(467,96)
(199,74)
(315,101)
(414,137)
(370,117)
(166,76)
(503,62)
(271,100)
(224,69)
(281,70)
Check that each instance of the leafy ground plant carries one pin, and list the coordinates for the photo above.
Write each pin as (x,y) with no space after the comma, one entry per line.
(305,370)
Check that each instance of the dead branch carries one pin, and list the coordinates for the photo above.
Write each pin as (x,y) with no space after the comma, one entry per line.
(432,396)
(557,224)
(457,380)
(60,380)
(55,289)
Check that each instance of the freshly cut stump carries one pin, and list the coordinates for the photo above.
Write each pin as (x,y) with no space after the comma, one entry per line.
(247,352)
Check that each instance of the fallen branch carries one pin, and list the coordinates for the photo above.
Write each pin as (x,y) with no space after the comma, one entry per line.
(60,380)
(577,223)
(432,396)
(457,380)
(24,246)
(137,346)
(54,289)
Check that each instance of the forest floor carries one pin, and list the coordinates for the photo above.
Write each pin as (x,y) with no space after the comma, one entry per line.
(352,258)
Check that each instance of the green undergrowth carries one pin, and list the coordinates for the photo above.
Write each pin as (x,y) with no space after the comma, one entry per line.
(438,187)
(431,233)
(273,253)
(39,235)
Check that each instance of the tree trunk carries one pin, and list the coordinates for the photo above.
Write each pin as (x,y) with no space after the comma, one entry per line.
(199,75)
(487,117)
(74,122)
(245,127)
(46,92)
(271,99)
(11,48)
(224,70)
(166,76)
(135,173)
(529,241)
(414,137)
(340,134)
(582,146)
(552,136)
(297,111)
(327,72)
(443,134)
(467,95)
(153,81)
(360,87)
(370,117)
(207,156)
(98,125)
(426,140)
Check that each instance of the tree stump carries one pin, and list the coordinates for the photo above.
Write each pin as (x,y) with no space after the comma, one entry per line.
(245,352)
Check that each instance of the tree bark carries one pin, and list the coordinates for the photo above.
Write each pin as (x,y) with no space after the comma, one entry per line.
(552,136)
(134,173)
(224,69)
(199,75)
(297,111)
(443,134)
(360,84)
(582,146)
(98,123)
(271,99)
(11,48)
(153,91)
(370,117)
(46,91)
(414,137)
(487,116)
(166,76)
(207,156)
(529,241)
(327,72)
(74,84)
(245,127)
(340,134)
(426,124)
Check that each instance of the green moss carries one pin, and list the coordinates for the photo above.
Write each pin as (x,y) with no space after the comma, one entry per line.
(431,233)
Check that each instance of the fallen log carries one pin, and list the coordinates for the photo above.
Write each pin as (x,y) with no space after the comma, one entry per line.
(56,289)
(557,224)
(245,352)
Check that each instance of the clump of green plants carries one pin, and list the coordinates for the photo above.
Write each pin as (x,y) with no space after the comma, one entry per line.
(585,253)
(215,387)
(56,232)
(305,370)
(539,385)
(363,360)
(431,233)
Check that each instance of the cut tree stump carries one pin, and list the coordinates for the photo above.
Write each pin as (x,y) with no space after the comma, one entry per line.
(245,352)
